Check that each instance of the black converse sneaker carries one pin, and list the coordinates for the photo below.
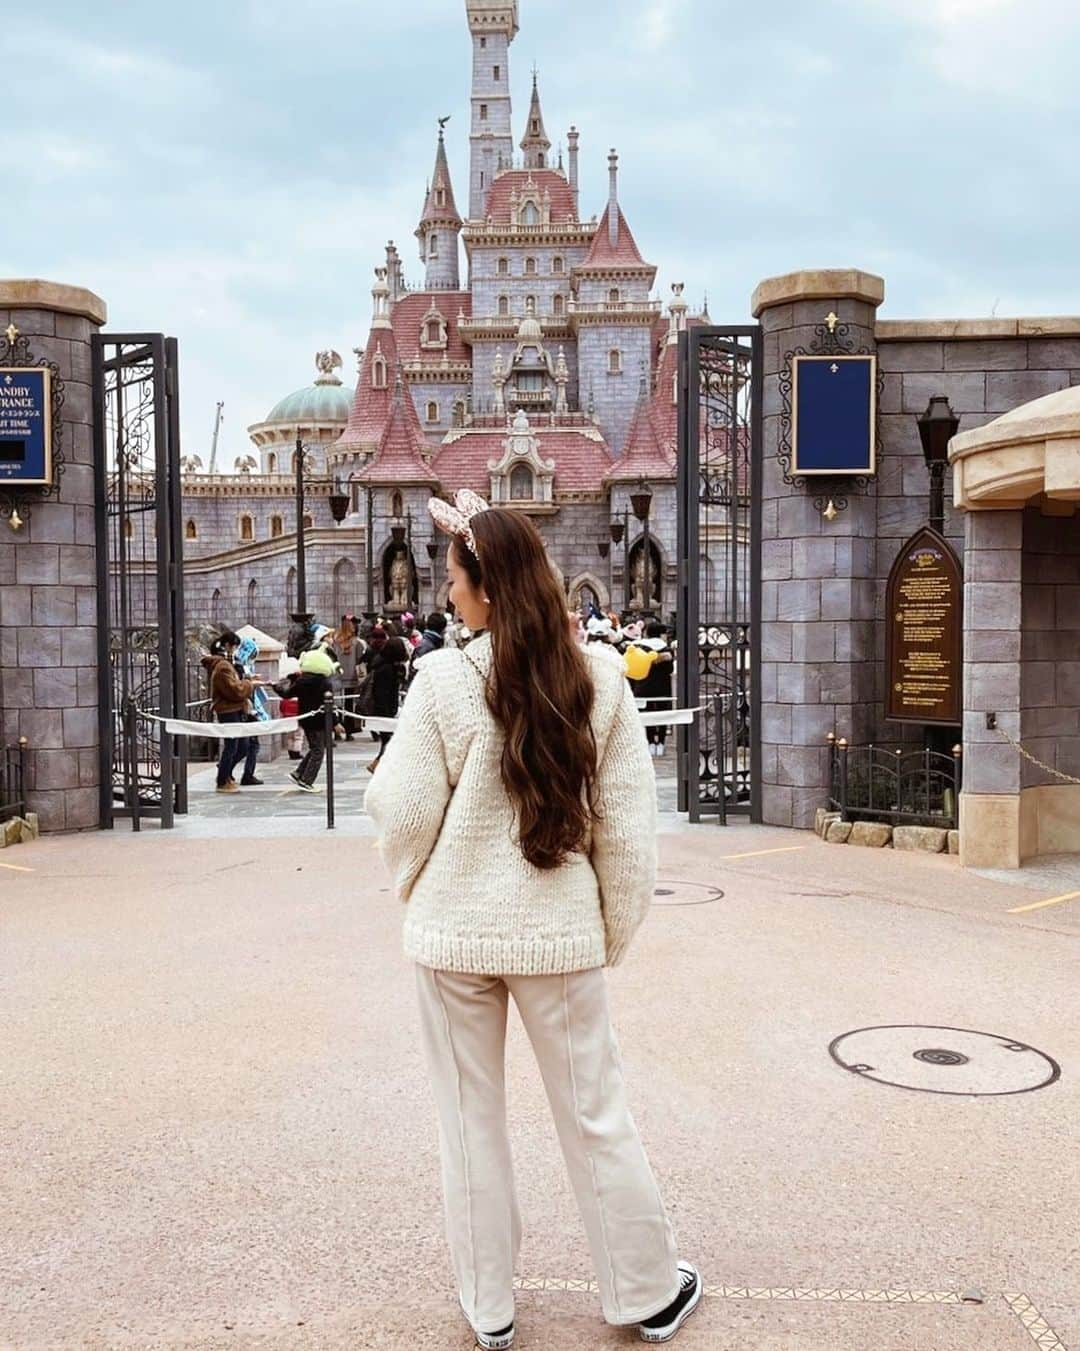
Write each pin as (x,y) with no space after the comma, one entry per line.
(661,1327)
(491,1341)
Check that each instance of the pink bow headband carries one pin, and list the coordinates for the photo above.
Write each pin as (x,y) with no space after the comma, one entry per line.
(454,519)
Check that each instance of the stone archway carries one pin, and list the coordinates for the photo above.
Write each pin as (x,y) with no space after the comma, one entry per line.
(588,581)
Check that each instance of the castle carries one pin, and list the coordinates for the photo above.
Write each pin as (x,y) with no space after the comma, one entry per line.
(547,383)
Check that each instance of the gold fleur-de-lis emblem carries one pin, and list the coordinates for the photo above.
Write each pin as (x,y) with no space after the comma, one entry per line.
(831,320)
(11,333)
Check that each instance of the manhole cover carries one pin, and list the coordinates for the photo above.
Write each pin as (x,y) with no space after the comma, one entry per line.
(686,893)
(951,1060)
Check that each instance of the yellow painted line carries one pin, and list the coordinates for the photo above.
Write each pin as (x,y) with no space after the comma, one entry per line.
(757,853)
(15,868)
(1038,905)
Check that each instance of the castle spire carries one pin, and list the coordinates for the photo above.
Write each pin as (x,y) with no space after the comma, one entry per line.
(613,199)
(440,224)
(535,142)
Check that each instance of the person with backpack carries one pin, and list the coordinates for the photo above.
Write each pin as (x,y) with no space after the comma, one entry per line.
(380,694)
(309,687)
(431,640)
(230,701)
(655,685)
(518,819)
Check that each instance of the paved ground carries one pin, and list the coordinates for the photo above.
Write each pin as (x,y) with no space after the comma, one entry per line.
(217,1130)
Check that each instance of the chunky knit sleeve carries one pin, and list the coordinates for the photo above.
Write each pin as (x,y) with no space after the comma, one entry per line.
(624,841)
(407,797)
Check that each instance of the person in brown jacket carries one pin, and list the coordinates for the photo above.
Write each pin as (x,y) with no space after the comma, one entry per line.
(230,701)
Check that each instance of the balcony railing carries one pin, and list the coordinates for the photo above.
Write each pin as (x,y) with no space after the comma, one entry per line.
(652,307)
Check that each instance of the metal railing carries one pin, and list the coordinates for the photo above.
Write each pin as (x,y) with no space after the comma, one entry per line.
(13,781)
(915,787)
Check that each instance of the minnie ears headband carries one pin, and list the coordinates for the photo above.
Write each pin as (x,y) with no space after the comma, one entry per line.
(455,519)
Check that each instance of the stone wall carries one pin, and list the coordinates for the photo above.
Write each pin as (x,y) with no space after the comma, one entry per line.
(1050,646)
(48,592)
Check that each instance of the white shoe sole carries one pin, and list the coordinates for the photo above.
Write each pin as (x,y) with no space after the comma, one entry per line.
(488,1340)
(665,1334)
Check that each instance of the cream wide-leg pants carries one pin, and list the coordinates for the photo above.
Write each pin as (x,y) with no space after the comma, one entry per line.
(463,1021)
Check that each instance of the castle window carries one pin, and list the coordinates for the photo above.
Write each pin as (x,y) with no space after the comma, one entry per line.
(129,529)
(521,483)
(535,127)
(503,267)
(558,305)
(396,507)
(247,528)
(271,463)
(434,331)
(277,527)
(481,178)
(530,306)
(530,267)
(614,362)
(529,214)
(440,196)
(496,73)
(557,265)
(215,606)
(308,521)
(433,246)
(252,592)
(504,306)
(483,112)
(540,159)
(191,530)
(378,373)
(613,296)
(483,43)
(432,411)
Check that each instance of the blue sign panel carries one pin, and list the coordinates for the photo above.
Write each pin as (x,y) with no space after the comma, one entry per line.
(833,414)
(25,425)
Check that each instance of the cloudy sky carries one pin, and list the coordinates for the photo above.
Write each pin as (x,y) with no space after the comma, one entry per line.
(229,173)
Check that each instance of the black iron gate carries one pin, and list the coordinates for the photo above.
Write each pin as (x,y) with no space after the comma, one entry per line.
(719,490)
(140,575)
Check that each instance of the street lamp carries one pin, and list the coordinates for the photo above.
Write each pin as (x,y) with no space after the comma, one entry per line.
(641,501)
(937,427)
(432,547)
(620,534)
(339,506)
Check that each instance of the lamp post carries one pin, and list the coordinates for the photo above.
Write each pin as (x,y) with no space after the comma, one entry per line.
(339,506)
(620,534)
(432,547)
(641,501)
(937,427)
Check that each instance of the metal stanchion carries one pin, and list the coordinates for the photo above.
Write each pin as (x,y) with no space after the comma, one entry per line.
(328,734)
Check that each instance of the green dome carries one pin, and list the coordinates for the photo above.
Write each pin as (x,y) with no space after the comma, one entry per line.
(327,400)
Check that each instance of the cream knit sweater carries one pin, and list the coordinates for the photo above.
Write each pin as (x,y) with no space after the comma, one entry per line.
(449,831)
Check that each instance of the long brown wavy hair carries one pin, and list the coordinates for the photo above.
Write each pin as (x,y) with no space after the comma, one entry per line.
(539,688)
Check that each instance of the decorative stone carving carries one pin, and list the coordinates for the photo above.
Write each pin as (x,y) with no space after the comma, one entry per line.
(521,447)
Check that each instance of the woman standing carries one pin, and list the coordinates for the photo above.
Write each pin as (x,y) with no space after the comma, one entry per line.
(387,667)
(518,816)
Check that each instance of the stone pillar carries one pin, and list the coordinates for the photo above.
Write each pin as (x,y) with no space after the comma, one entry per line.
(818,589)
(48,579)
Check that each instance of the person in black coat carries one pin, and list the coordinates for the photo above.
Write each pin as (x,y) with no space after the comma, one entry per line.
(656,686)
(387,665)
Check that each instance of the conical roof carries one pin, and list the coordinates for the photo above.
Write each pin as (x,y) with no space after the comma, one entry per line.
(643,456)
(371,403)
(535,142)
(439,206)
(399,458)
(623,254)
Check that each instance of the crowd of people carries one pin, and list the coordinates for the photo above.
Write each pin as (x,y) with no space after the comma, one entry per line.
(367,667)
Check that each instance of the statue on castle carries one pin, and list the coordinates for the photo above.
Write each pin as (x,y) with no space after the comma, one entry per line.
(638,598)
(400,579)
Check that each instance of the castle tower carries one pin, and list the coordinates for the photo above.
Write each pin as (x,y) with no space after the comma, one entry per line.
(493,25)
(535,142)
(439,228)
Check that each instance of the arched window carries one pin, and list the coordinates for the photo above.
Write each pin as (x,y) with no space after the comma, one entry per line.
(271,463)
(530,267)
(529,214)
(344,585)
(613,296)
(215,606)
(277,527)
(191,530)
(558,305)
(483,112)
(290,591)
(521,483)
(308,521)
(252,591)
(433,245)
(504,306)
(530,305)
(396,507)
(540,159)
(557,265)
(378,373)
(434,331)
(459,413)
(503,267)
(432,411)
(247,528)
(440,196)
(614,362)
(292,462)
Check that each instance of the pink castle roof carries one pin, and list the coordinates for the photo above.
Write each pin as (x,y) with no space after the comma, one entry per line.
(643,456)
(581,461)
(408,314)
(399,458)
(603,256)
(515,180)
(440,179)
(665,413)
(371,407)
